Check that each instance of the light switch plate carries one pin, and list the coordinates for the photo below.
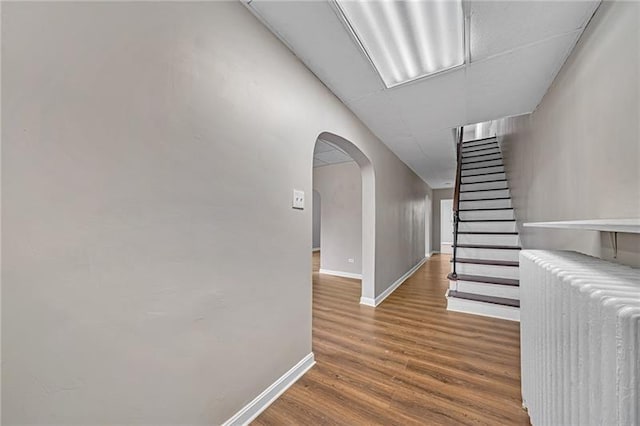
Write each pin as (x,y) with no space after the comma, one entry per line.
(298,199)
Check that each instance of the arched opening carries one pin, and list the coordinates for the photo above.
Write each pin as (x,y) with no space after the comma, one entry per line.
(365,264)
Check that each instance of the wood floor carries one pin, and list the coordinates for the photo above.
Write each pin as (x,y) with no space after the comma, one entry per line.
(406,362)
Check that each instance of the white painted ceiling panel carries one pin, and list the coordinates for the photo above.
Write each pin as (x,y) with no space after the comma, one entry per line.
(517,80)
(516,47)
(317,36)
(501,26)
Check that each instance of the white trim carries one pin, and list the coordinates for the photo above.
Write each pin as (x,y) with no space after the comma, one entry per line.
(341,274)
(378,300)
(434,252)
(253,409)
(315,249)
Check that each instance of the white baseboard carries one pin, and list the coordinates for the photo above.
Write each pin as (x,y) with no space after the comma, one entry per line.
(434,252)
(378,300)
(341,274)
(253,409)
(315,249)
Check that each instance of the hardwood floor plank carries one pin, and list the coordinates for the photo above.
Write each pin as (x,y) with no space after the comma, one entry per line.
(407,362)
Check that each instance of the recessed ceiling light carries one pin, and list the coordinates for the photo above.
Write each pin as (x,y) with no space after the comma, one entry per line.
(407,40)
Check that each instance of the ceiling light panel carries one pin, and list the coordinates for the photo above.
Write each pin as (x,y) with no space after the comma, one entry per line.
(407,39)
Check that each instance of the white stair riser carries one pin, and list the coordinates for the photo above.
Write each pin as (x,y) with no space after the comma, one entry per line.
(469,144)
(484,204)
(491,154)
(494,169)
(487,254)
(486,214)
(472,179)
(484,163)
(481,308)
(494,271)
(494,193)
(486,289)
(487,226)
(489,239)
(483,185)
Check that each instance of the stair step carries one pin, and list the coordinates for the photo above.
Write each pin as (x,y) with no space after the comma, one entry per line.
(486,203)
(485,208)
(482,165)
(487,262)
(484,194)
(483,177)
(482,171)
(481,161)
(479,142)
(485,252)
(481,148)
(487,225)
(496,153)
(483,279)
(487,270)
(484,186)
(484,246)
(456,303)
(486,214)
(488,233)
(486,299)
(496,238)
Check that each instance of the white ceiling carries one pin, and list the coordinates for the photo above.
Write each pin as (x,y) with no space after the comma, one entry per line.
(326,153)
(516,49)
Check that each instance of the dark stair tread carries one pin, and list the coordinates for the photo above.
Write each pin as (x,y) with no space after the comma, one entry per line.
(485,148)
(487,232)
(487,199)
(486,299)
(482,167)
(488,246)
(483,181)
(475,145)
(481,155)
(487,220)
(487,262)
(483,190)
(487,208)
(482,174)
(479,161)
(483,279)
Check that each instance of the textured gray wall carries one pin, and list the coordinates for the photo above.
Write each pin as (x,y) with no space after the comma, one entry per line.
(153,269)
(578,155)
(340,187)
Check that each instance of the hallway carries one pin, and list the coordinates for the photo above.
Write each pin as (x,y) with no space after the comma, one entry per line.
(409,361)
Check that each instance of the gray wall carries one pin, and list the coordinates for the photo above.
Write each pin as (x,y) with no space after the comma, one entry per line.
(437,196)
(578,155)
(340,187)
(317,226)
(153,269)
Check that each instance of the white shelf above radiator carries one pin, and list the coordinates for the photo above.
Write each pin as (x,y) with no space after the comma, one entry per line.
(631,226)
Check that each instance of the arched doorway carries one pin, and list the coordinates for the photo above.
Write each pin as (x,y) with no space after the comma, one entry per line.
(367,259)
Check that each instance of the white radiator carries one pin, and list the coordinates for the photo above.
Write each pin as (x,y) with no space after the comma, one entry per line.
(580,339)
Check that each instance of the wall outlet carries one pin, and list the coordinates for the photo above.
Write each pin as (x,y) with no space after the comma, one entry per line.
(350,260)
(298,199)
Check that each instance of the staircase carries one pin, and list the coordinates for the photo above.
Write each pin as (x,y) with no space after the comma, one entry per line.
(484,278)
